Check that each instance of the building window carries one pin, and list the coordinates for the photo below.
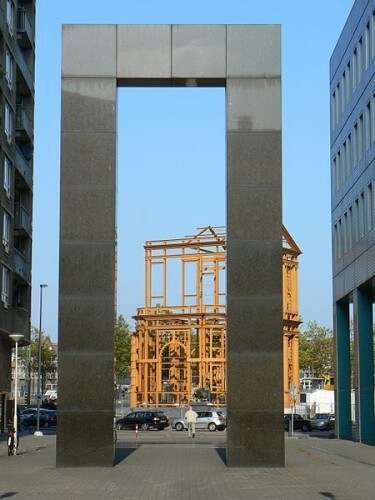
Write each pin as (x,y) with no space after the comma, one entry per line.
(360,138)
(333,110)
(372,119)
(339,239)
(350,228)
(349,153)
(5,290)
(367,46)
(7,176)
(355,69)
(355,145)
(9,68)
(356,221)
(348,87)
(6,231)
(345,233)
(359,61)
(343,93)
(370,207)
(362,221)
(8,124)
(368,126)
(10,16)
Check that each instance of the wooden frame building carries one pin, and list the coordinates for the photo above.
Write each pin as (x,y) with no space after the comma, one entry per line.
(179,344)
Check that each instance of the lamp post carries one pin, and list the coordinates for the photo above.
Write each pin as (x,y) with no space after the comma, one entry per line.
(39,396)
(16,337)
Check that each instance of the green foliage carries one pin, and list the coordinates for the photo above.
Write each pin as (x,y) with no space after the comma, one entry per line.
(29,355)
(122,340)
(316,350)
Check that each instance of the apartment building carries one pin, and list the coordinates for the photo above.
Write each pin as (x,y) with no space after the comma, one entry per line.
(352,88)
(17,59)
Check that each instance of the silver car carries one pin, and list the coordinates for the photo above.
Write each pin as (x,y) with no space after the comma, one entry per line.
(208,419)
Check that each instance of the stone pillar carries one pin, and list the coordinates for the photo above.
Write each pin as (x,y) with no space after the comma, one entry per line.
(254,289)
(87,248)
(342,380)
(364,355)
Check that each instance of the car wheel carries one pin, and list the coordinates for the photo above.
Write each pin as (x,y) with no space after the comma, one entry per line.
(118,427)
(179,426)
(212,427)
(305,428)
(144,427)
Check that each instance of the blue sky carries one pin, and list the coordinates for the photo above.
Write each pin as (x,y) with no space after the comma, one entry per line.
(171,143)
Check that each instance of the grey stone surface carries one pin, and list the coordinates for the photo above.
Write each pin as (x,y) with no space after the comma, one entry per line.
(89,104)
(144,51)
(84,438)
(253,104)
(83,314)
(261,150)
(198,51)
(253,50)
(154,467)
(89,50)
(177,55)
(87,271)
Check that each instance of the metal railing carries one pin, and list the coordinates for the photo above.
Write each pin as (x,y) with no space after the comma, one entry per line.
(25,70)
(21,267)
(23,167)
(24,25)
(23,122)
(22,218)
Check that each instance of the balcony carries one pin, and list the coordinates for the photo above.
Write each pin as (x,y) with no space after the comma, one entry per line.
(26,73)
(24,168)
(25,31)
(21,322)
(2,19)
(22,221)
(21,267)
(24,126)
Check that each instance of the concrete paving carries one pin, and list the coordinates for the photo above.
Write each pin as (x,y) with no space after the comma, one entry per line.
(168,465)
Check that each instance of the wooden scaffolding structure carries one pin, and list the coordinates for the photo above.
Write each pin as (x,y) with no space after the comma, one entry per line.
(179,344)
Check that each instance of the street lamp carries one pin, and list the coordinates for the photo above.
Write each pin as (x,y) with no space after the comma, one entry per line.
(16,337)
(39,396)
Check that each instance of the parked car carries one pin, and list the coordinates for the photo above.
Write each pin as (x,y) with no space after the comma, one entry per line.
(299,423)
(48,418)
(212,420)
(144,419)
(323,422)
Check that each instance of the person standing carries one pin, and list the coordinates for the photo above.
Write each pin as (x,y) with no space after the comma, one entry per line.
(11,442)
(191,419)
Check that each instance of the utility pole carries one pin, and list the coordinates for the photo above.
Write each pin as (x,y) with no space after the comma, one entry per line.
(39,396)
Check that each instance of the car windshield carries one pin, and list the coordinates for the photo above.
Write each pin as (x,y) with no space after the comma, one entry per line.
(320,416)
(159,414)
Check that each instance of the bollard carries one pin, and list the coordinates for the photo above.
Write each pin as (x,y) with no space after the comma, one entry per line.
(136,430)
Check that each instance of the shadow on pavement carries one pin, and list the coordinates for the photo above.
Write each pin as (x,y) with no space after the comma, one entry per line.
(222,452)
(122,454)
(8,494)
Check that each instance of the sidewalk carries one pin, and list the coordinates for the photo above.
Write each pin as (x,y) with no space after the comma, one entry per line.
(156,466)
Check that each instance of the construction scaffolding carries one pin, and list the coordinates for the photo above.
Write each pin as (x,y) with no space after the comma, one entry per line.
(179,344)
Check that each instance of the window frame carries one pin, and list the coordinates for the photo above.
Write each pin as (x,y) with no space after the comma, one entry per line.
(5,286)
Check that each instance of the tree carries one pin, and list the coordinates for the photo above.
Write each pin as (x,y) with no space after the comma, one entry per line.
(30,355)
(316,350)
(122,340)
